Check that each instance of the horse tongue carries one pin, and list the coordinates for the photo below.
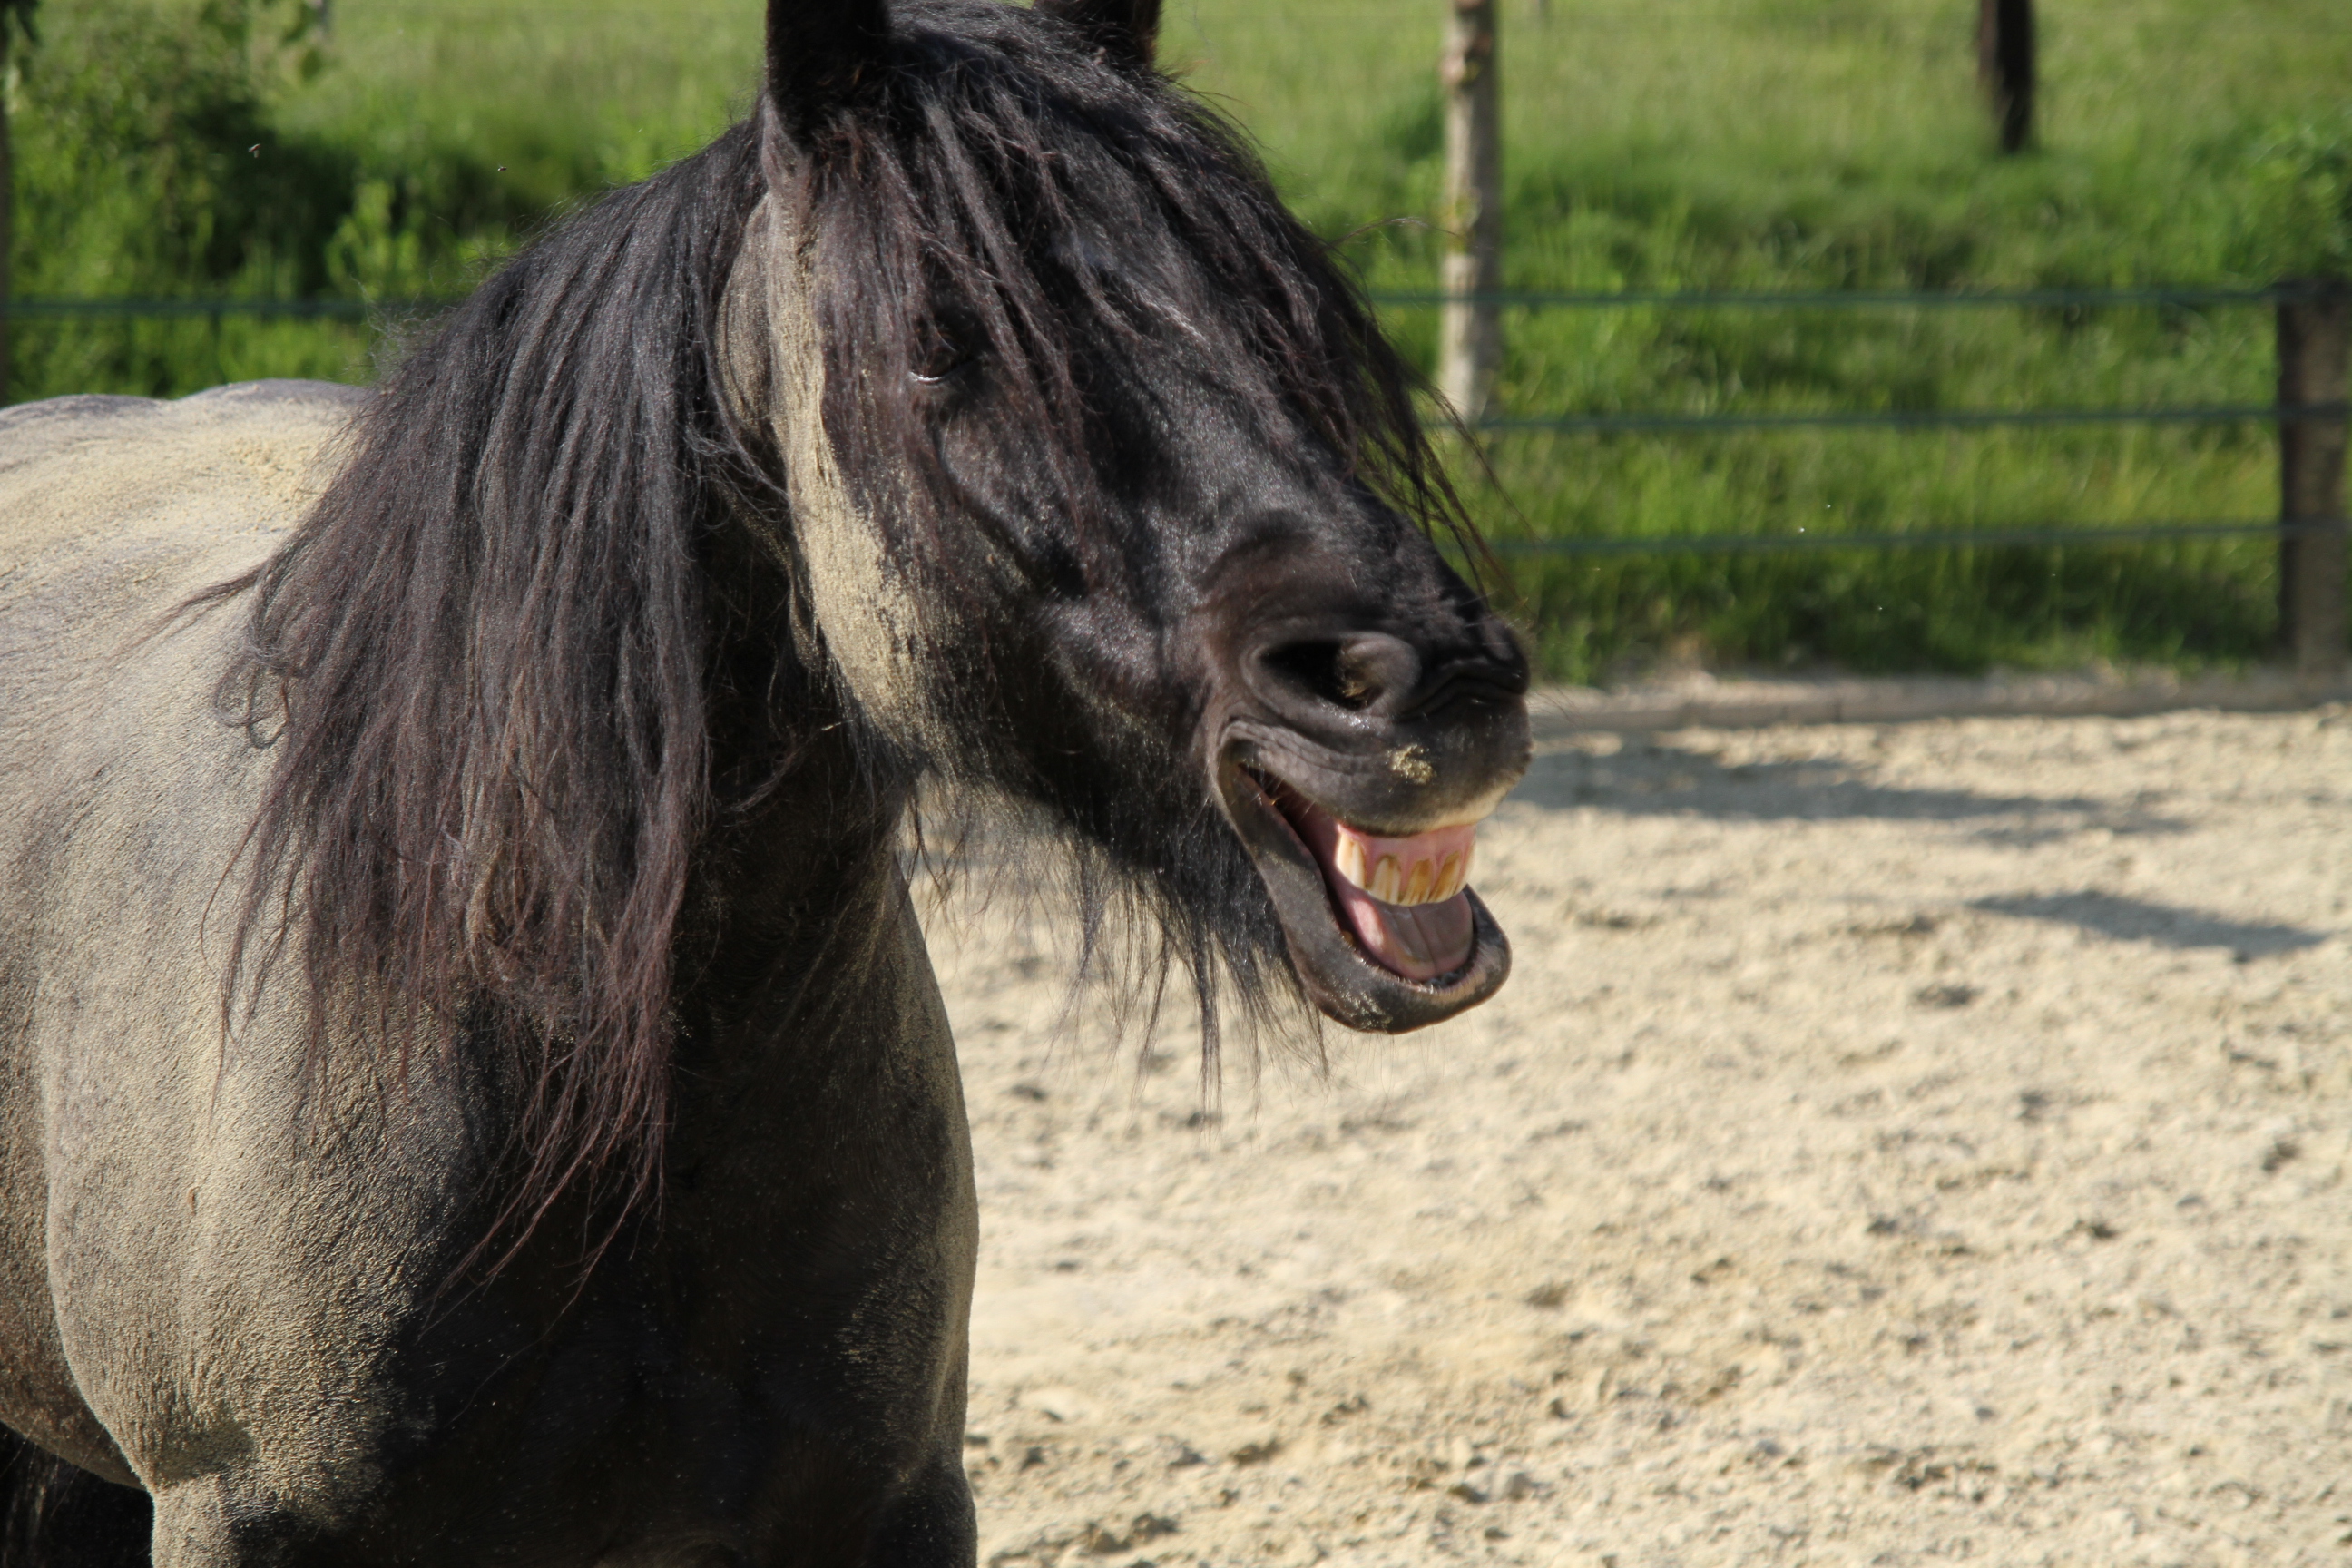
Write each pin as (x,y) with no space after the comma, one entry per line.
(1420,941)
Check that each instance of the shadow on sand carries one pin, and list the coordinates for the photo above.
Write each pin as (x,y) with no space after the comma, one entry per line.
(1655,778)
(2137,919)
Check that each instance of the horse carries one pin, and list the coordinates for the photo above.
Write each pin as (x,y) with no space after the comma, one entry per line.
(472,1088)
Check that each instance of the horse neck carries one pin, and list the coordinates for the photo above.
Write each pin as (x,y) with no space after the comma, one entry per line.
(805,881)
(800,852)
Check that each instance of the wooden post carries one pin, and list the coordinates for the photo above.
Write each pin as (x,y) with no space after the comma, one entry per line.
(2005,67)
(7,204)
(1470,336)
(2314,346)
(15,17)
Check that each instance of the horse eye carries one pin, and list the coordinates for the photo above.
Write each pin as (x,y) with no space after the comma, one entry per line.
(944,356)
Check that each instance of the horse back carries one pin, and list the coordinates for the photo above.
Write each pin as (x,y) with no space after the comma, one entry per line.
(99,494)
(113,512)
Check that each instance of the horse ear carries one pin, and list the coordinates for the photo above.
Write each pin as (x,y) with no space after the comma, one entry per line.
(1127,31)
(818,49)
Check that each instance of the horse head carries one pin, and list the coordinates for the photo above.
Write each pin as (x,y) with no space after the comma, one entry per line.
(1099,487)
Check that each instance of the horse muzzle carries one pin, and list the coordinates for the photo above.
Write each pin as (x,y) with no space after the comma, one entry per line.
(1359,798)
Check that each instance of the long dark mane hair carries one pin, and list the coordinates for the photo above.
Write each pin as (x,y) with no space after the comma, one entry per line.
(486,659)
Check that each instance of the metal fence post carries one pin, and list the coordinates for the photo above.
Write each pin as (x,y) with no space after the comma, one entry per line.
(1470,336)
(2314,345)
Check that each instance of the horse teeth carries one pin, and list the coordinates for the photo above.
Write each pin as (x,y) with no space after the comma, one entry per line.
(1399,877)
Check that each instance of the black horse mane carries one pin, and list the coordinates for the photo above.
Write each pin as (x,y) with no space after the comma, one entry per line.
(485,659)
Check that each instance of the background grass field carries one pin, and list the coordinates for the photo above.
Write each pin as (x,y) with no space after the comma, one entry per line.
(170,148)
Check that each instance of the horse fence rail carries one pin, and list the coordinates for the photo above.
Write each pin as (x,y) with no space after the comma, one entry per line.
(164,309)
(2184,294)
(2053,534)
(1907,418)
(2315,349)
(2314,346)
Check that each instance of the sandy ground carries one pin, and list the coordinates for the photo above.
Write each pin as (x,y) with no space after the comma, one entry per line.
(1896,1145)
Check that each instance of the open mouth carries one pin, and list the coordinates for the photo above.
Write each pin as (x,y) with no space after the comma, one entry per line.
(1402,898)
(1384,929)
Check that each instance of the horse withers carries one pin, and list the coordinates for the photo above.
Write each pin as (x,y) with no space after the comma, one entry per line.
(475,1090)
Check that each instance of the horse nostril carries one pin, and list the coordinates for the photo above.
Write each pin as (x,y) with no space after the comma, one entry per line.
(1354,672)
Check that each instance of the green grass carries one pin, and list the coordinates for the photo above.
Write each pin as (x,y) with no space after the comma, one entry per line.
(1737,144)
(1797,144)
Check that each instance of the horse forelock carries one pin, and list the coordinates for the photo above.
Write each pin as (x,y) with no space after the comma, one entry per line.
(1060,203)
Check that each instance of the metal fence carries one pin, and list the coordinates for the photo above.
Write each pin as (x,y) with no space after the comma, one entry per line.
(2314,342)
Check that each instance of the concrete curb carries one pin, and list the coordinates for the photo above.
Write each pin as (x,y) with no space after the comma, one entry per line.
(1705,702)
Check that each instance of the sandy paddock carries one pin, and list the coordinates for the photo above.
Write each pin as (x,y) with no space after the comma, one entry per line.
(1896,1145)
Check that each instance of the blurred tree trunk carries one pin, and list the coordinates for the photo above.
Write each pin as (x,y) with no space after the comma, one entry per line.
(2005,67)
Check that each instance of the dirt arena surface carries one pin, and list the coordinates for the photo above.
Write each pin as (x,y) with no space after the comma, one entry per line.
(1896,1145)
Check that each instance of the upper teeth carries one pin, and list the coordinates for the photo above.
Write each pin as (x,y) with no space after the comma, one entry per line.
(1401,878)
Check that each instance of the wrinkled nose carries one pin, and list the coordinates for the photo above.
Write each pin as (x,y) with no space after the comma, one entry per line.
(1374,675)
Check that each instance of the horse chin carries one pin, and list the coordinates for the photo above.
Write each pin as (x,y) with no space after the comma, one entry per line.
(1343,979)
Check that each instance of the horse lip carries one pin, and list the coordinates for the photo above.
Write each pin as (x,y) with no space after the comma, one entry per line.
(1345,983)
(1284,755)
